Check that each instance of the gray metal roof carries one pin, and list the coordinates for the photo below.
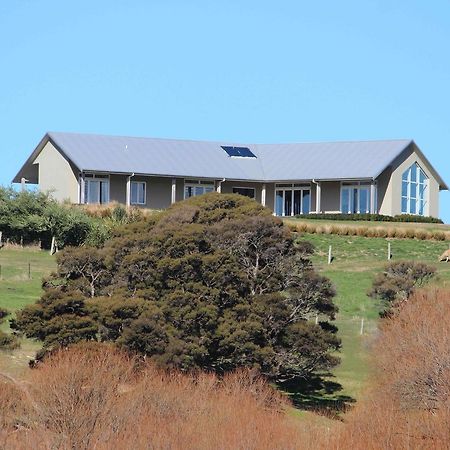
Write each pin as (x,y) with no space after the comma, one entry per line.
(200,159)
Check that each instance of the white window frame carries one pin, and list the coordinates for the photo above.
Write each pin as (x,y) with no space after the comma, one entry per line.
(291,187)
(198,183)
(359,185)
(131,193)
(426,185)
(247,188)
(97,177)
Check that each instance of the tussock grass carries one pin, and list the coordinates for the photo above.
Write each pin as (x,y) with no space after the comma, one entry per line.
(382,231)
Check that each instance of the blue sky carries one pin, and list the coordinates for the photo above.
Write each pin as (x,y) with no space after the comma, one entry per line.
(250,71)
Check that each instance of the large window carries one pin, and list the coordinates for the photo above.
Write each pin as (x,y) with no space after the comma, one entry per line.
(292,199)
(248,192)
(192,188)
(138,194)
(355,198)
(96,189)
(414,191)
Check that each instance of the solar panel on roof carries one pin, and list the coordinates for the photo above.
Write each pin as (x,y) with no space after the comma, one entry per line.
(243,152)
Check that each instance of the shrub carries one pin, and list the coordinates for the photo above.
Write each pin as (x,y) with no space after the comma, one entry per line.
(409,403)
(94,396)
(400,279)
(371,218)
(213,283)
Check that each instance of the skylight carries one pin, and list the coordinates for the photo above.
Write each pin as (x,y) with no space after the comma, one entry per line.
(239,152)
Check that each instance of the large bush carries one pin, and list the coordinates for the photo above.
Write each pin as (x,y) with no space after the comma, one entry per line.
(215,282)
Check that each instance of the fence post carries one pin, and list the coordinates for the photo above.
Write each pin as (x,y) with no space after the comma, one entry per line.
(1,235)
(389,251)
(329,254)
(29,271)
(361,331)
(1,272)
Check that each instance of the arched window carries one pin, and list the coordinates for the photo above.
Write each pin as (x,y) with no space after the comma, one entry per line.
(414,191)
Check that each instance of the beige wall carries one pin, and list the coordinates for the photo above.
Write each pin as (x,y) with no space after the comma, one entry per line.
(227,188)
(390,185)
(118,188)
(57,175)
(331,197)
(159,190)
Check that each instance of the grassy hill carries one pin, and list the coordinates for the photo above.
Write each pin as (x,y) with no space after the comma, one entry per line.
(18,289)
(356,261)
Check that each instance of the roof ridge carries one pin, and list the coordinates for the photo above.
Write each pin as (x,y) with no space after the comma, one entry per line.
(224,142)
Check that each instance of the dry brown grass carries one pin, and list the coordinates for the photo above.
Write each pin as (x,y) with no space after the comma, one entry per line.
(409,405)
(382,231)
(96,396)
(104,211)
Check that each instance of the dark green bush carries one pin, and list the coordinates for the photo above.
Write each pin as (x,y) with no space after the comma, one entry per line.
(214,283)
(371,218)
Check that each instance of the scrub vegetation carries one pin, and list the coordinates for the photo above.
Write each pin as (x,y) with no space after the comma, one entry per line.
(391,382)
(213,283)
(94,395)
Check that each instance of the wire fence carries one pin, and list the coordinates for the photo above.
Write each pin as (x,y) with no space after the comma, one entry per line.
(22,272)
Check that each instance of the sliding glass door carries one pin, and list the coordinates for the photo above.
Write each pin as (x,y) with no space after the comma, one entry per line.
(355,198)
(292,199)
(96,189)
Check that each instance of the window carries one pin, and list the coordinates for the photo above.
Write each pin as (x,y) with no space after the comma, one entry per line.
(138,194)
(192,188)
(292,199)
(239,152)
(248,192)
(414,191)
(356,198)
(96,189)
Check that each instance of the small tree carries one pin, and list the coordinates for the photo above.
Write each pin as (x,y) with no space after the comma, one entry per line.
(399,280)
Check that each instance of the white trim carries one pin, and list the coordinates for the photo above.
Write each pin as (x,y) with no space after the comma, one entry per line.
(173,197)
(263,194)
(81,189)
(373,197)
(359,185)
(291,187)
(318,197)
(145,193)
(205,184)
(88,177)
(128,192)
(425,184)
(243,187)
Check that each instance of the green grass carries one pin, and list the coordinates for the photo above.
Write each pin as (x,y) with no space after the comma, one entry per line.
(356,262)
(17,289)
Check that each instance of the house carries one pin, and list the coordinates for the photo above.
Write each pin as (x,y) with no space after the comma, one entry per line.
(387,177)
